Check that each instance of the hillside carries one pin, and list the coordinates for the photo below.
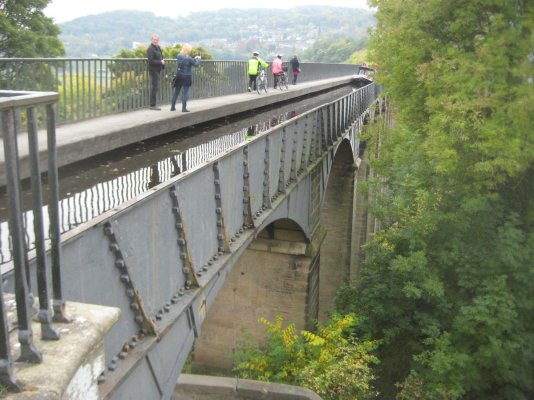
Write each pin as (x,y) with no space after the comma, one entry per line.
(227,34)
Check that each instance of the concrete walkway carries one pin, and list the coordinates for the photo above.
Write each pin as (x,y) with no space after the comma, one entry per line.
(81,140)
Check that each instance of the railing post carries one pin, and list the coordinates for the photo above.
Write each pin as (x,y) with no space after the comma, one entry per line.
(7,378)
(28,352)
(48,332)
(60,314)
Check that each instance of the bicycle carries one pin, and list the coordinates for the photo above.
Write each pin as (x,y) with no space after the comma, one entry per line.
(261,81)
(282,80)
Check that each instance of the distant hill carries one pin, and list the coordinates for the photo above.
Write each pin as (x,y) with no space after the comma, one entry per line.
(227,34)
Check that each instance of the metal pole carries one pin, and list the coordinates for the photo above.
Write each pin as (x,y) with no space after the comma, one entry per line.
(60,314)
(28,352)
(48,332)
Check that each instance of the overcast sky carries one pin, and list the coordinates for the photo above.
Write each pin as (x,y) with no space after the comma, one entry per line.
(66,10)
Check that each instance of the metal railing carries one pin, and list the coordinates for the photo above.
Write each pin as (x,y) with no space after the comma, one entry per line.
(11,105)
(93,87)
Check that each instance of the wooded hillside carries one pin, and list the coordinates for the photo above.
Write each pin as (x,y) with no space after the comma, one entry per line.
(227,34)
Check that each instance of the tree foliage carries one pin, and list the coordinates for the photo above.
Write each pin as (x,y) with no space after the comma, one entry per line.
(26,32)
(228,34)
(332,50)
(448,284)
(169,52)
(330,362)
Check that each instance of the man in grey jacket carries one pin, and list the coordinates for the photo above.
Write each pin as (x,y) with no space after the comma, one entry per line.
(156,63)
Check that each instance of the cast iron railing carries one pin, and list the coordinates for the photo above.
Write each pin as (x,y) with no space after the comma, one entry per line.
(11,105)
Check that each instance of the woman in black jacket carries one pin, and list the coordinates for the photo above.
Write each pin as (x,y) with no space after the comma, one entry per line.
(295,67)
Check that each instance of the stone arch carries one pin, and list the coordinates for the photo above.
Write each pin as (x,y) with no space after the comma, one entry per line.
(336,219)
(276,275)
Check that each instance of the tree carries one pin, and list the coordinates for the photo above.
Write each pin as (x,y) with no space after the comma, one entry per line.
(26,31)
(169,52)
(448,283)
(331,362)
(332,50)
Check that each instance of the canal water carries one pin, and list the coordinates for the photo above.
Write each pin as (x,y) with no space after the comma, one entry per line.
(94,186)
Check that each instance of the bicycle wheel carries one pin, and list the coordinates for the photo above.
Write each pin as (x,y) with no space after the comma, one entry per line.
(264,86)
(258,84)
(284,81)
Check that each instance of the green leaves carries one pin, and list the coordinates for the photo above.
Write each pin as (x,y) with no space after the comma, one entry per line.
(449,277)
(330,362)
(26,31)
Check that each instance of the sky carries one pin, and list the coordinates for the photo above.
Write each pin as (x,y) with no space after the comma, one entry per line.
(66,10)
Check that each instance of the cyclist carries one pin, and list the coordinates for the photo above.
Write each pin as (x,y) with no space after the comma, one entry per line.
(276,67)
(253,68)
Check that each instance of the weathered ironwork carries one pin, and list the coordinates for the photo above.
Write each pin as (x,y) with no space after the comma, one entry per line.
(10,102)
(202,200)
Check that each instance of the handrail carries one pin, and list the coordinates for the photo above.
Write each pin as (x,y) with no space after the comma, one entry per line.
(94,87)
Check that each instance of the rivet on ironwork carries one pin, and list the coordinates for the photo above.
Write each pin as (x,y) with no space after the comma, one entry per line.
(138,319)
(108,230)
(120,263)
(123,355)
(199,273)
(182,256)
(219,224)
(245,163)
(134,306)
(216,182)
(112,367)
(167,307)
(175,210)
(185,270)
(217,196)
(245,200)
(218,210)
(181,292)
(221,251)
(130,293)
(232,239)
(125,278)
(159,317)
(181,242)
(178,225)
(101,378)
(210,262)
(114,247)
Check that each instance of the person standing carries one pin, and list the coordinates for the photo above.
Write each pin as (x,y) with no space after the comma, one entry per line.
(184,75)
(254,68)
(156,64)
(295,67)
(276,67)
